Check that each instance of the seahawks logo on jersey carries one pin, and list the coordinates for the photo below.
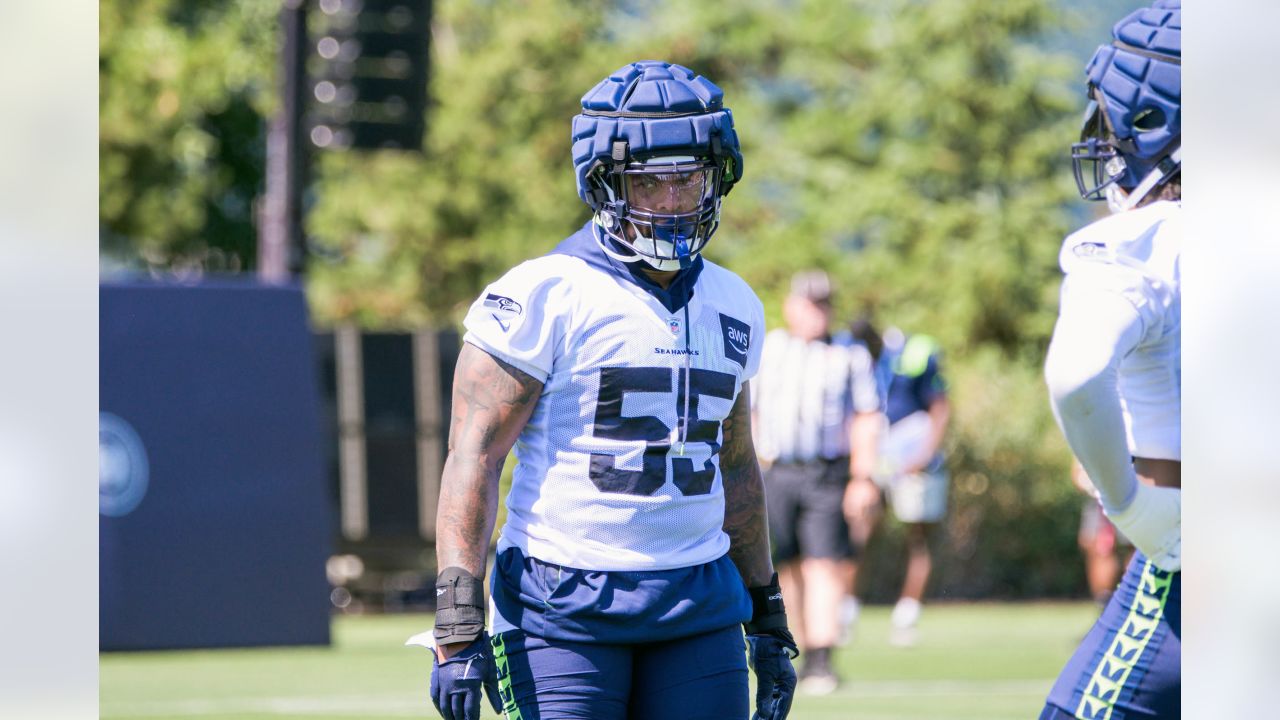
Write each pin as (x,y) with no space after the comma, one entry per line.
(500,302)
(1093,251)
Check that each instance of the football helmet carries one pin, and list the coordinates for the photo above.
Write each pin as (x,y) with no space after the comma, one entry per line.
(1131,140)
(654,151)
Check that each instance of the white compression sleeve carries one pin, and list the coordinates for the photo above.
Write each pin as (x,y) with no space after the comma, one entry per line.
(1095,330)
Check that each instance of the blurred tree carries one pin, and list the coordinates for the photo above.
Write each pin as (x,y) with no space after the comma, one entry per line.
(183,88)
(410,239)
(915,149)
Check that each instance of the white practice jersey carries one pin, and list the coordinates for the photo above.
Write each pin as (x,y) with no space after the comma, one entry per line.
(603,481)
(1135,254)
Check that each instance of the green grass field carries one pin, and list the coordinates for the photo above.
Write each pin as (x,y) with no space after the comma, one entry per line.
(975,661)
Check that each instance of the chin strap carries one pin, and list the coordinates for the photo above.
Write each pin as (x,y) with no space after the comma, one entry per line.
(614,249)
(1161,172)
(597,232)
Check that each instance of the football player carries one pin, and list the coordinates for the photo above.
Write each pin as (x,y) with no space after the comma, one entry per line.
(1114,368)
(635,549)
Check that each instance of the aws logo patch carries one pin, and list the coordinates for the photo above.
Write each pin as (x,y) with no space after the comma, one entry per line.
(737,339)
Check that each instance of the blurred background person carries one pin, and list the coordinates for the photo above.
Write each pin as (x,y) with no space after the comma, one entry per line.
(816,421)
(864,504)
(1100,543)
(910,466)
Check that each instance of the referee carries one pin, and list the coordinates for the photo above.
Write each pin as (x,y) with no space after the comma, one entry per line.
(816,420)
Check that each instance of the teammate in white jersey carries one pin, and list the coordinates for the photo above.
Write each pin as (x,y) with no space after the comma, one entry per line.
(636,546)
(1114,368)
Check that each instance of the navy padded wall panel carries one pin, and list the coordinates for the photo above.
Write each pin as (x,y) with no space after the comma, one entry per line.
(228,545)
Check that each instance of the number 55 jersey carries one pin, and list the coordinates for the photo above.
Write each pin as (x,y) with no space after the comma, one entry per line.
(618,467)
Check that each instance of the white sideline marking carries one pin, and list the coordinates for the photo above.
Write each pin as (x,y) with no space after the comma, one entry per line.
(381,705)
(941,688)
(418,705)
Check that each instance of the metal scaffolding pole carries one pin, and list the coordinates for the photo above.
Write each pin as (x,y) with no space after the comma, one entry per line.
(281,243)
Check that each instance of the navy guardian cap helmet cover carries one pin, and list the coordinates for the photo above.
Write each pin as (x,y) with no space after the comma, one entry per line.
(654,151)
(1132,134)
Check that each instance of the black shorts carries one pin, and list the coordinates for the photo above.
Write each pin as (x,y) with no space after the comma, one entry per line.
(806,513)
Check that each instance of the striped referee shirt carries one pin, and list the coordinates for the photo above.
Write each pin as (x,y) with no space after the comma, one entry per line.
(806,395)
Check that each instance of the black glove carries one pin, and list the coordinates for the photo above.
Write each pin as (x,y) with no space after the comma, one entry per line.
(770,658)
(456,682)
(770,650)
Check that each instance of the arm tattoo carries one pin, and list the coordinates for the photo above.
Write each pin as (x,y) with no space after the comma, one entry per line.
(492,401)
(744,511)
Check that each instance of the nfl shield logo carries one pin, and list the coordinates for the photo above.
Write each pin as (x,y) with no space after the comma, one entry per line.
(674,324)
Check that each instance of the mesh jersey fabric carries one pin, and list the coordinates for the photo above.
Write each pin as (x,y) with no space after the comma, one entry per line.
(1136,255)
(601,482)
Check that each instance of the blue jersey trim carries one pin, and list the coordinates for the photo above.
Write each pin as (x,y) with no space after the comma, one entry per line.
(582,244)
(621,607)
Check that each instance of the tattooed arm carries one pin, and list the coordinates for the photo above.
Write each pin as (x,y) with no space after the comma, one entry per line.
(744,511)
(492,401)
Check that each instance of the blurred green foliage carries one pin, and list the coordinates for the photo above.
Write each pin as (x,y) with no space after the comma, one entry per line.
(183,90)
(916,150)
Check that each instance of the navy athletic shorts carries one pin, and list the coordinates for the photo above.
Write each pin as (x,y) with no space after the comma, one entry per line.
(703,677)
(1130,664)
